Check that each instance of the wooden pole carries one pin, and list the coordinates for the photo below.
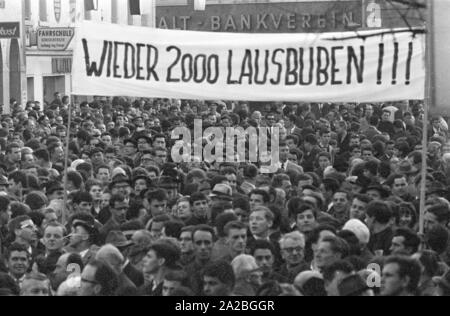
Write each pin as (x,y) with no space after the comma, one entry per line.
(429,65)
(66,165)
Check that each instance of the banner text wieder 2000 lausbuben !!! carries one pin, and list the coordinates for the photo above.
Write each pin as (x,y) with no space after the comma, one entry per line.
(260,67)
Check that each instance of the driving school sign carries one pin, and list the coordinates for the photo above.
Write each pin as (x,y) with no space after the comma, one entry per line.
(55,38)
(331,67)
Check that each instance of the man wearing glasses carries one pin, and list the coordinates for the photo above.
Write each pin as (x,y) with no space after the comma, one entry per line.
(98,279)
(293,252)
(25,232)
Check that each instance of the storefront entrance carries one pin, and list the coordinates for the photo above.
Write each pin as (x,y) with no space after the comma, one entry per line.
(52,85)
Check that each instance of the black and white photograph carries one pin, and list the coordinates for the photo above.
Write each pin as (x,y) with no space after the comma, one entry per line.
(224,152)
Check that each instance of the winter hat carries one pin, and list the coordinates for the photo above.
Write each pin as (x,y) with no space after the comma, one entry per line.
(359,229)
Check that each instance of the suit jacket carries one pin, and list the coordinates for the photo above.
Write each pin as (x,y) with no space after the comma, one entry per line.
(147,290)
(195,274)
(126,287)
(51,260)
(309,159)
(344,144)
(136,276)
(109,226)
(386,127)
(289,275)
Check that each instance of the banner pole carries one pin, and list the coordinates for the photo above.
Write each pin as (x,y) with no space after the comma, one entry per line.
(429,64)
(66,165)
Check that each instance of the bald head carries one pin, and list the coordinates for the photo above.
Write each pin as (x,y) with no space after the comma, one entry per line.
(112,256)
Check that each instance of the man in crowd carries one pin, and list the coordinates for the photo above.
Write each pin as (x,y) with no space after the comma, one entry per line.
(354,164)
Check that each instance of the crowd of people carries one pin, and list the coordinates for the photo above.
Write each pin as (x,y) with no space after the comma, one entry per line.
(339,217)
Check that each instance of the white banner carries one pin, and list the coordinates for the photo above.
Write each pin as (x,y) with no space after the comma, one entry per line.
(119,60)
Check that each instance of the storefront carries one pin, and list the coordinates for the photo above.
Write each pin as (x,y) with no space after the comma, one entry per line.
(47,74)
(10,63)
(49,63)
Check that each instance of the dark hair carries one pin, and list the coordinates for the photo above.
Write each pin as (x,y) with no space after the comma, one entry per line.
(337,245)
(197,196)
(170,253)
(374,120)
(408,207)
(262,244)
(105,277)
(242,203)
(233,225)
(203,228)
(173,228)
(81,197)
(177,276)
(250,171)
(221,221)
(390,181)
(277,181)
(381,211)
(363,198)
(315,234)
(158,195)
(19,177)
(412,240)
(407,268)
(18,248)
(340,265)
(331,185)
(116,198)
(264,194)
(311,139)
(42,154)
(221,270)
(442,213)
(301,209)
(10,147)
(430,261)
(437,239)
(76,178)
(294,138)
(403,148)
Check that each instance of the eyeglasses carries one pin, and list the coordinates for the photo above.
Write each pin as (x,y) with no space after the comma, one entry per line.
(121,209)
(293,249)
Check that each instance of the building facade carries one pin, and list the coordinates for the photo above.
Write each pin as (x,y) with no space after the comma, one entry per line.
(35,35)
(49,29)
(285,16)
(12,58)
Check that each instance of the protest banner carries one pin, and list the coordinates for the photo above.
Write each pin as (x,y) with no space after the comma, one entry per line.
(366,66)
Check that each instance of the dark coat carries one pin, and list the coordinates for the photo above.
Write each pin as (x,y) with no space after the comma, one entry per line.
(136,276)
(110,225)
(126,287)
(289,275)
(381,241)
